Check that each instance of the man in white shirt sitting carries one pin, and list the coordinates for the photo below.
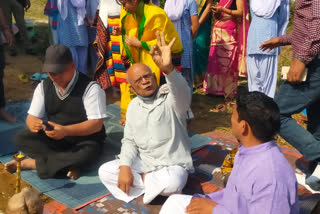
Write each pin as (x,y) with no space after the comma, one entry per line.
(156,153)
(74,107)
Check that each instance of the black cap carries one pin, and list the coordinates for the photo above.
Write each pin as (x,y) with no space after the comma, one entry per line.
(56,59)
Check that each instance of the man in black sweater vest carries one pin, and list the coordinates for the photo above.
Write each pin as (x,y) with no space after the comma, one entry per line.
(75,108)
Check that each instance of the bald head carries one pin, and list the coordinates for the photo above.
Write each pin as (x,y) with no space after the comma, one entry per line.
(143,81)
(137,70)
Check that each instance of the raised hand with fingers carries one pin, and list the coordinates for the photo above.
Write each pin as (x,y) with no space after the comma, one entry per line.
(161,53)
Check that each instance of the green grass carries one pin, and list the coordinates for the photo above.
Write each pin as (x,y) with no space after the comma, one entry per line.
(41,28)
(36,11)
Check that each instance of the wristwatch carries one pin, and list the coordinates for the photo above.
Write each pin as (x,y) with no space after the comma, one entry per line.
(302,60)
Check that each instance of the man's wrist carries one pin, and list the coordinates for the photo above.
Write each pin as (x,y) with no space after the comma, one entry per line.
(302,60)
(65,131)
(124,167)
(169,70)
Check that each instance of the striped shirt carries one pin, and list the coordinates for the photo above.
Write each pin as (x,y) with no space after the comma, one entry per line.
(305,38)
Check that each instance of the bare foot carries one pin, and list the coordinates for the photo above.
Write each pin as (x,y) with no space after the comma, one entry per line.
(27,164)
(11,166)
(219,108)
(122,122)
(143,176)
(6,116)
(74,174)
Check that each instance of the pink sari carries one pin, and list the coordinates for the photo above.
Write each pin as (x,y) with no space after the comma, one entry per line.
(227,53)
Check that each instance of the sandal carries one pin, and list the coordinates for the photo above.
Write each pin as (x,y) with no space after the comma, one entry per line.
(23,78)
(44,76)
(36,77)
(219,108)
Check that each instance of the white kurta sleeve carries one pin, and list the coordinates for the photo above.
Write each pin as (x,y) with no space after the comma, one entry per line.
(179,95)
(129,149)
(37,107)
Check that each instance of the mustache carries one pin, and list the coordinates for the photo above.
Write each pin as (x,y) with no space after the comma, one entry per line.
(147,86)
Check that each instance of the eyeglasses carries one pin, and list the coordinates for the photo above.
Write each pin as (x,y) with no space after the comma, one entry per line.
(122,1)
(147,76)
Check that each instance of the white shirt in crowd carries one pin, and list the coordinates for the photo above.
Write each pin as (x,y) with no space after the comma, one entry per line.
(94,100)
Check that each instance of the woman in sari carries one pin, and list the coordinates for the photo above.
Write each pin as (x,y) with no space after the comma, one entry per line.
(140,20)
(110,69)
(201,44)
(228,48)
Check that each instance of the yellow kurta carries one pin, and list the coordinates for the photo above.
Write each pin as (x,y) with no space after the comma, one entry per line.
(152,19)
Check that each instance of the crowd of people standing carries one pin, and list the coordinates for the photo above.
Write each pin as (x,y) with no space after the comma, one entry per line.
(210,54)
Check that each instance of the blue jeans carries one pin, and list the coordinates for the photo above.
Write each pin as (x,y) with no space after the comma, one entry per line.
(293,99)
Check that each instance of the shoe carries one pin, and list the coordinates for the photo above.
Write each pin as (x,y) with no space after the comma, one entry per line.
(314,179)
(44,76)
(30,51)
(36,77)
(306,166)
(4,115)
(13,52)
(23,78)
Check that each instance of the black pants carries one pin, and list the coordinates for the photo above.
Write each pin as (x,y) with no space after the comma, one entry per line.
(2,65)
(53,156)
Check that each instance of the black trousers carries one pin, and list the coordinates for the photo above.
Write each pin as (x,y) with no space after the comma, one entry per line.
(2,65)
(53,156)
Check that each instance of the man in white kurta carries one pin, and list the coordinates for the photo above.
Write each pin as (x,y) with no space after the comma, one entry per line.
(156,153)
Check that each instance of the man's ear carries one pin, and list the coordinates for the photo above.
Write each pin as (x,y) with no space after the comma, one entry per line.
(133,90)
(73,65)
(244,126)
(154,76)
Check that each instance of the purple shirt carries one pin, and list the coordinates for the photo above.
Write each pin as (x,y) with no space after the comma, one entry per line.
(262,181)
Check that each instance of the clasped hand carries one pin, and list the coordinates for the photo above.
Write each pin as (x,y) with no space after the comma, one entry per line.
(57,133)
(201,206)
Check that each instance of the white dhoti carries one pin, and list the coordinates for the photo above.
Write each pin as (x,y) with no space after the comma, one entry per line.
(262,73)
(176,204)
(166,181)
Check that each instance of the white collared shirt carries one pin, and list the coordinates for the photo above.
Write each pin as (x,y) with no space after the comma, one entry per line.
(94,100)
(157,131)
